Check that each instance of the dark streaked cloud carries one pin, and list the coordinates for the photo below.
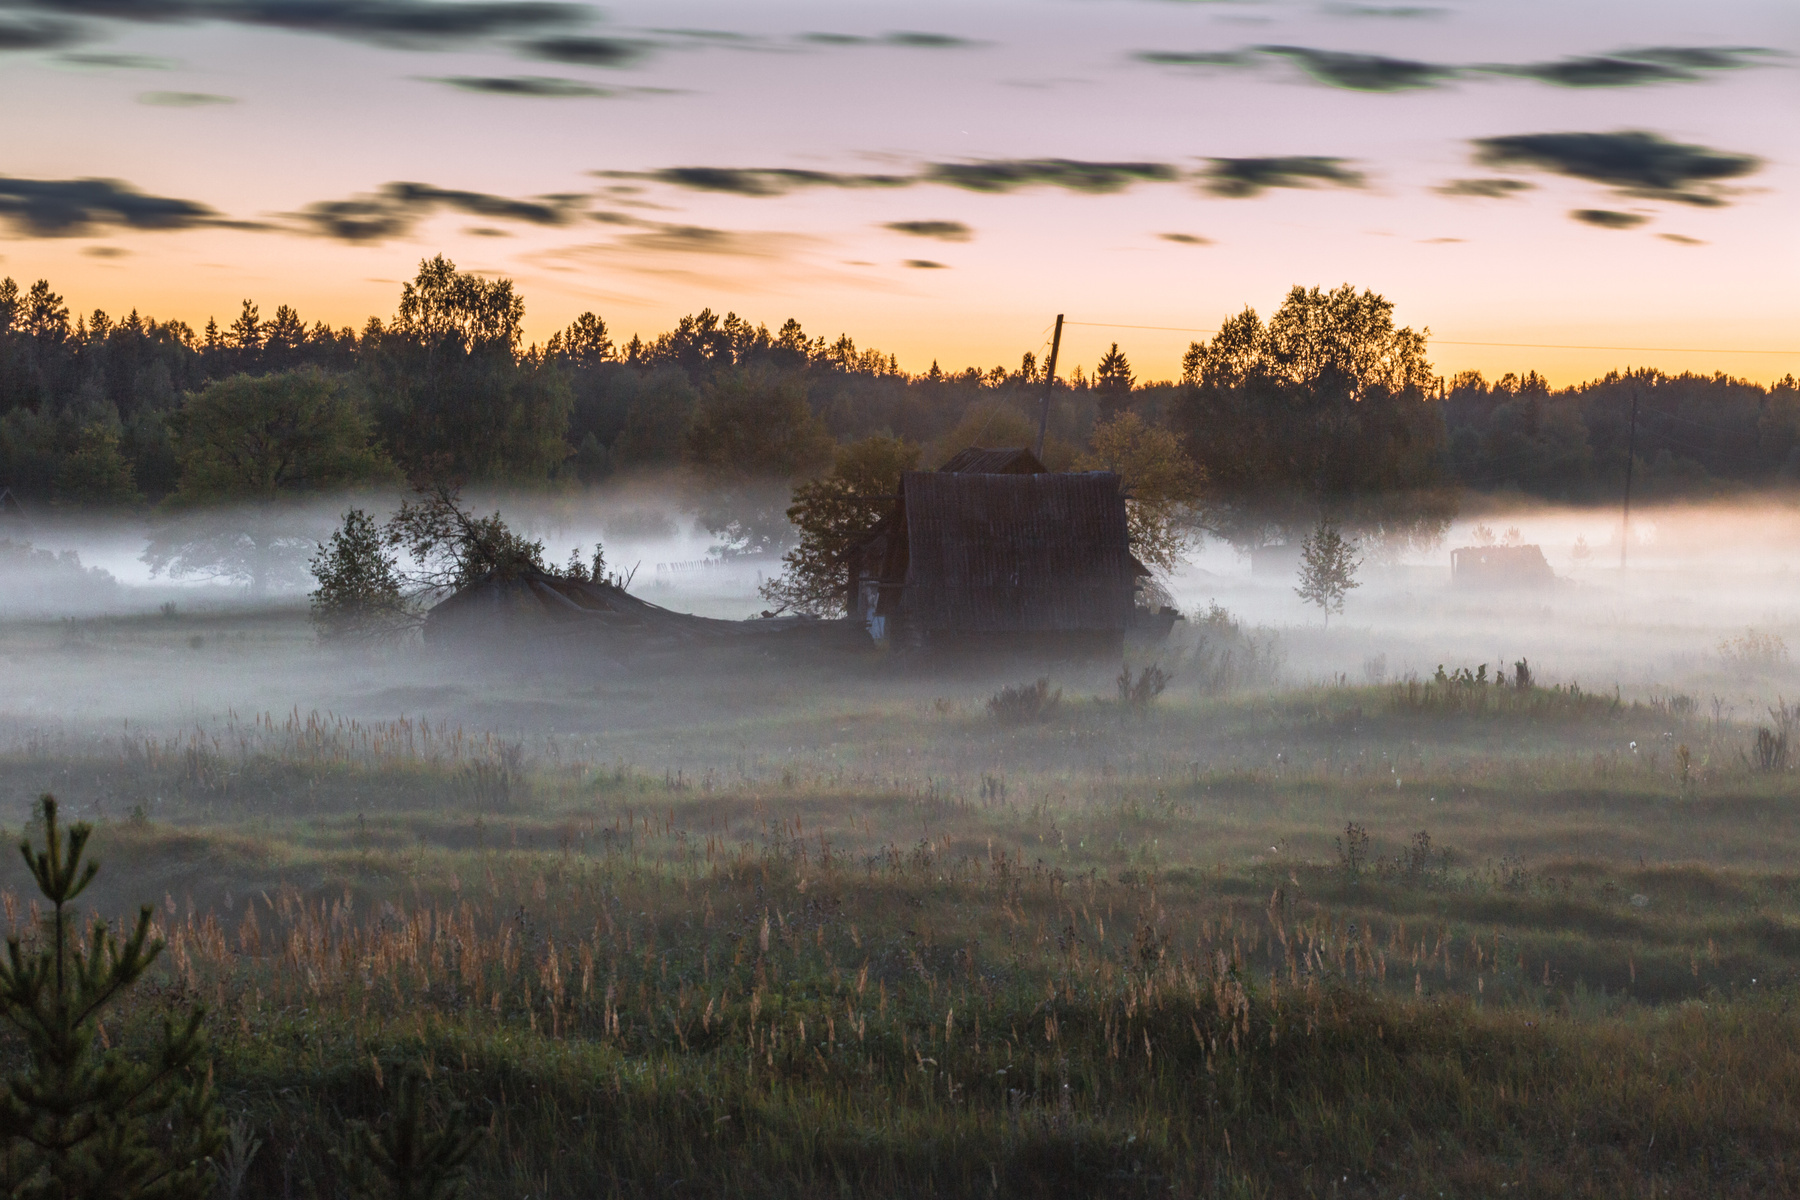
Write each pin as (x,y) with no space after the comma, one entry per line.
(1383,73)
(1484,189)
(1197,58)
(943,231)
(1238,178)
(588,51)
(1233,177)
(1604,218)
(183,99)
(719,37)
(105,252)
(698,239)
(1185,239)
(1633,68)
(117,62)
(540,86)
(1364,72)
(925,264)
(398,207)
(388,22)
(1680,240)
(911,39)
(1598,71)
(38,35)
(755,181)
(1705,58)
(1634,163)
(1010,174)
(71,207)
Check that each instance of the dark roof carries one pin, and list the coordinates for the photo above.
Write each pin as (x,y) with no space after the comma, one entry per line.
(1016,553)
(1015,460)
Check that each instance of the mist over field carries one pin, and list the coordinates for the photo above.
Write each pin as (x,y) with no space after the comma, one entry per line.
(1701,579)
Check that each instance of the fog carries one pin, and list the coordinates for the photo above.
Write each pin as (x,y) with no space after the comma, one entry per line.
(1705,607)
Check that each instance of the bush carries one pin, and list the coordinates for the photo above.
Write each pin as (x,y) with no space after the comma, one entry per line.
(1770,750)
(1223,656)
(1138,694)
(1025,704)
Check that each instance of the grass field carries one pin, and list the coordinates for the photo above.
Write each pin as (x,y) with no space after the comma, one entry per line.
(840,931)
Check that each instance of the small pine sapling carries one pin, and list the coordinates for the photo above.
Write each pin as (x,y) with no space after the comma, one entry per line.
(408,1158)
(82,1119)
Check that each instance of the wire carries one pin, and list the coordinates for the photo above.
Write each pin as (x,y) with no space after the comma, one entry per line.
(1638,349)
(1509,345)
(1113,325)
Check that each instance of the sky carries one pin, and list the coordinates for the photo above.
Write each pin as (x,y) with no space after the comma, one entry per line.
(936,180)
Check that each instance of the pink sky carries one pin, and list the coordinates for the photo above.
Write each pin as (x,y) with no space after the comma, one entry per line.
(256,124)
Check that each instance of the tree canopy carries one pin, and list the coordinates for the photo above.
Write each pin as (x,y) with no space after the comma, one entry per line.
(254,437)
(833,513)
(1162,484)
(1325,410)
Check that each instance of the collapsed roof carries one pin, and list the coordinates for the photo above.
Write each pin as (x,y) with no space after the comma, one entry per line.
(534,603)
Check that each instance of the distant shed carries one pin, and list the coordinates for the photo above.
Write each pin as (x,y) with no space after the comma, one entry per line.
(999,557)
(1500,567)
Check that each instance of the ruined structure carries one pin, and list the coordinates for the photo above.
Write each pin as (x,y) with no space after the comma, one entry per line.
(1001,555)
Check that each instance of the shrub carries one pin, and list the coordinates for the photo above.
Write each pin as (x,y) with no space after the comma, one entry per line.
(1754,650)
(1770,750)
(1224,656)
(1025,703)
(1353,851)
(1139,693)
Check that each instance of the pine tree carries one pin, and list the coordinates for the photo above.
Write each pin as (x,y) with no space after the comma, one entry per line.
(1112,382)
(81,1119)
(360,592)
(1328,566)
(407,1159)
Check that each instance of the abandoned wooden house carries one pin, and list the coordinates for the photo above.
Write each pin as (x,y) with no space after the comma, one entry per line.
(1492,567)
(994,551)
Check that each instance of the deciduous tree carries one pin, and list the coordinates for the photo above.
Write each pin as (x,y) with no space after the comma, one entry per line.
(832,514)
(1328,566)
(246,445)
(1327,407)
(1161,482)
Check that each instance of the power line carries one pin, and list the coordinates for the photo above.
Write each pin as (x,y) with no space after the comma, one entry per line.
(1112,325)
(1637,349)
(1508,345)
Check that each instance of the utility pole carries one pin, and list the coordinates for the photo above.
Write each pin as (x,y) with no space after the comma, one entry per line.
(1049,385)
(1630,461)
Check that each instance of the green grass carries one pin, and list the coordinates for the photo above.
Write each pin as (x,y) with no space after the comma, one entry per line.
(874,942)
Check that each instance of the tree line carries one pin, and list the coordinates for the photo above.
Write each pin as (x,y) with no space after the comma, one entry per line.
(1325,408)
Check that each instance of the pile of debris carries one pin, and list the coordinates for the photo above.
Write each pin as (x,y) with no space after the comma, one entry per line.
(536,604)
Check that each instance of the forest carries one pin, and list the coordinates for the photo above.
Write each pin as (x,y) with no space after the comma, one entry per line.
(1337,411)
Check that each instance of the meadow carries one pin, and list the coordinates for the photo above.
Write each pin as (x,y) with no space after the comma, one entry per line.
(740,928)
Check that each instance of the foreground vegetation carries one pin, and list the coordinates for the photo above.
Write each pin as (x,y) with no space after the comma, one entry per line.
(1347,941)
